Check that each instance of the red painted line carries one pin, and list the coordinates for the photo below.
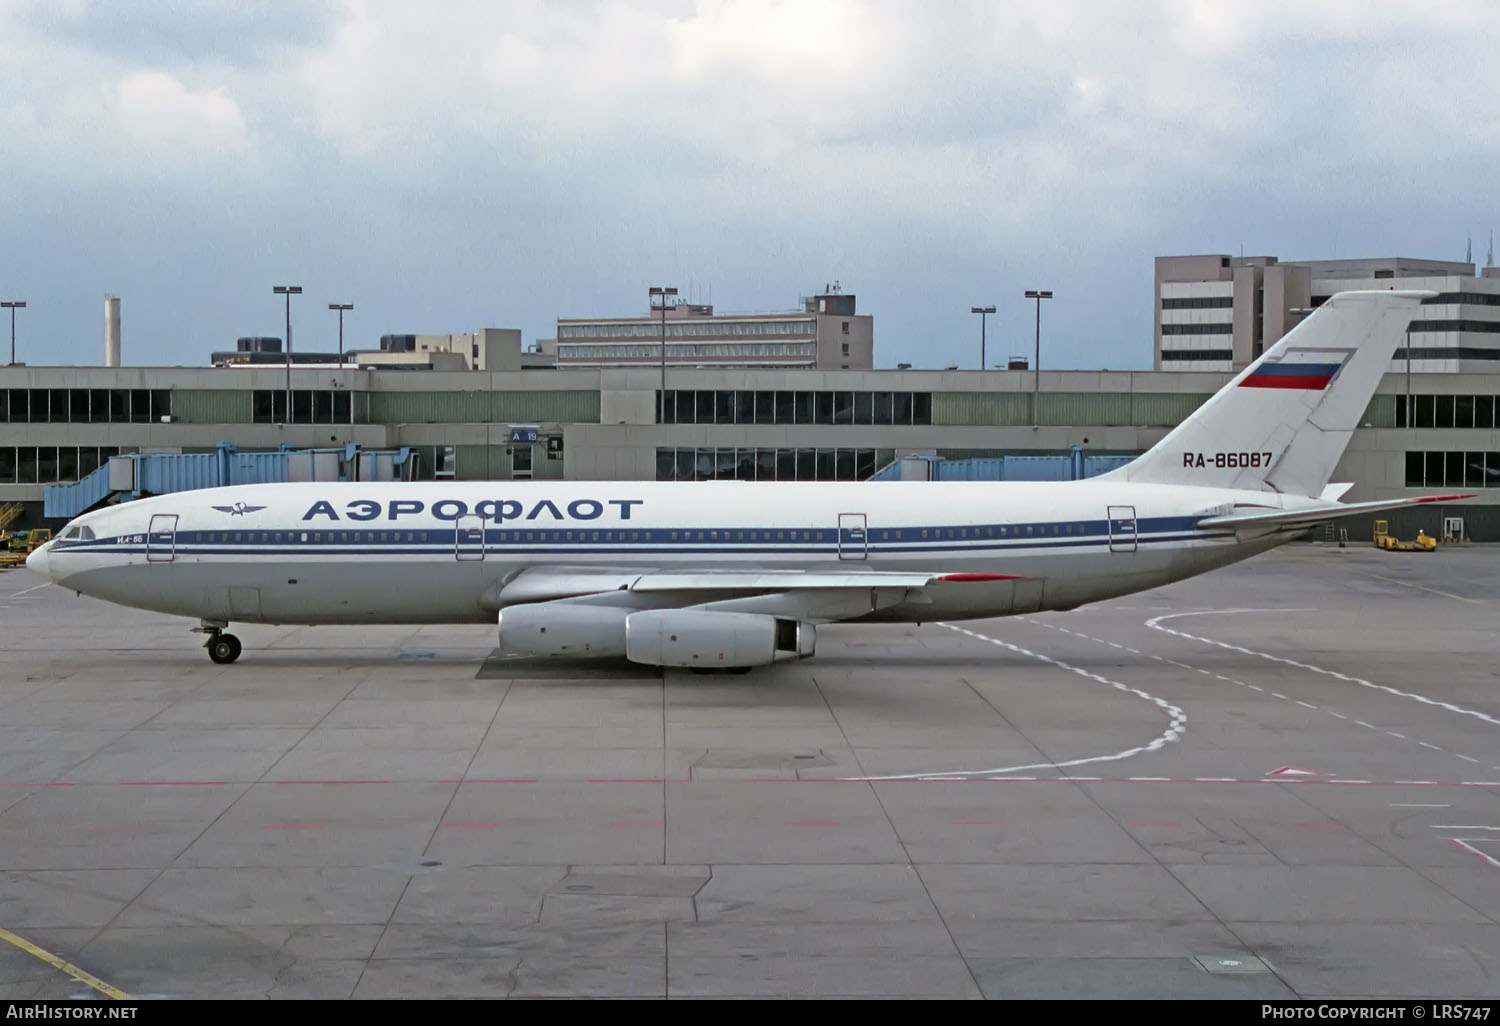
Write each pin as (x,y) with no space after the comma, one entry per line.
(1490,860)
(1330,826)
(476,825)
(1152,823)
(292,826)
(810,822)
(638,823)
(103,829)
(979,822)
(976,578)
(174,783)
(1312,384)
(975,779)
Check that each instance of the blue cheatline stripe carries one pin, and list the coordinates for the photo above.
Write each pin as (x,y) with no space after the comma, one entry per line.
(1296,370)
(1050,534)
(387,538)
(581,546)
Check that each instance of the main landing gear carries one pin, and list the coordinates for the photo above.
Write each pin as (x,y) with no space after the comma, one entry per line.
(222,648)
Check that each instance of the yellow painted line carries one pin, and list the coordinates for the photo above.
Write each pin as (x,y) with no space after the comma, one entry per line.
(64,965)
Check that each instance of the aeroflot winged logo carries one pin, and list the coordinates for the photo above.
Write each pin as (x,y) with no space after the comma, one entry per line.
(1310,370)
(239,509)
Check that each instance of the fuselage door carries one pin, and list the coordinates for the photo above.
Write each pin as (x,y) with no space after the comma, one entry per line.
(1122,528)
(161,538)
(853,536)
(468,538)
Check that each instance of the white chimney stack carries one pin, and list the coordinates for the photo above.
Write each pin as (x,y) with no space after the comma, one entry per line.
(111,331)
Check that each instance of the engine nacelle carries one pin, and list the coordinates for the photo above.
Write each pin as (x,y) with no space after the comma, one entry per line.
(563,629)
(710,640)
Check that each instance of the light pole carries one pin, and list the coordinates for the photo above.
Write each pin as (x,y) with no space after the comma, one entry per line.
(12,305)
(661,397)
(981,311)
(341,307)
(288,291)
(1036,365)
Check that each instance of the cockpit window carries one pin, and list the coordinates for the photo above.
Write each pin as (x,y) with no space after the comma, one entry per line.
(78,533)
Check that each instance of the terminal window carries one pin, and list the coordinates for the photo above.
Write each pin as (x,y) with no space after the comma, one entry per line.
(1452,469)
(1446,411)
(723,406)
(743,464)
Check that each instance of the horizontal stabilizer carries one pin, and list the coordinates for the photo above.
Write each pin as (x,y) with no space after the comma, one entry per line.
(1294,519)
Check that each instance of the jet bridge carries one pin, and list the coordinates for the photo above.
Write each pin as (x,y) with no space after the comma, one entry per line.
(134,475)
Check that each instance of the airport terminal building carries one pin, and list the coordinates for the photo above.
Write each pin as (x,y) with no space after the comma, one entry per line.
(61,423)
(791,396)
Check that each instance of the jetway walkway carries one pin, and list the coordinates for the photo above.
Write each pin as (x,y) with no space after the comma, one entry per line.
(135,475)
(1072,467)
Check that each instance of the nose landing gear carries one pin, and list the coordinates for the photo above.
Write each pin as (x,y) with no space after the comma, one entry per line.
(222,648)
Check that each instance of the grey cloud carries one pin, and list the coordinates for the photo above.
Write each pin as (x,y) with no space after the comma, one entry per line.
(169,33)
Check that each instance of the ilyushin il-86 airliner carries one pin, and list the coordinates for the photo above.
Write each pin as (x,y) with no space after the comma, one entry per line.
(731,575)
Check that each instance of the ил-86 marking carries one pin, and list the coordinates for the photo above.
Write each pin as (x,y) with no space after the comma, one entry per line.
(1226,460)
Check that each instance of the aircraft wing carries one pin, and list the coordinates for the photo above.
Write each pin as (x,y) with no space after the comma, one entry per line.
(825,595)
(1276,520)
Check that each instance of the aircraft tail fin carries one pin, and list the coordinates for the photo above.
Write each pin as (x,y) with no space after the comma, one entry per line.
(1282,424)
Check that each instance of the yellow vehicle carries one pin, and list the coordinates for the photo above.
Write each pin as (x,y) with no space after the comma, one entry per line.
(8,513)
(27,541)
(21,544)
(1384,540)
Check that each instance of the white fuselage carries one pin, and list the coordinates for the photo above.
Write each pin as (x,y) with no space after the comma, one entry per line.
(441,552)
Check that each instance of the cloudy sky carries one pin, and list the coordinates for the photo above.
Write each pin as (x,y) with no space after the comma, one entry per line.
(500,163)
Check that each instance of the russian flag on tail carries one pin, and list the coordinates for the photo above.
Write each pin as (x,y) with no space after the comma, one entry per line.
(1306,370)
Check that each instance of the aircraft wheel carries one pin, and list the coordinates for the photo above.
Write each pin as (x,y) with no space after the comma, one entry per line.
(224,648)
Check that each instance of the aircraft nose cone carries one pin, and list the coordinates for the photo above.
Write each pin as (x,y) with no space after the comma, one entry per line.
(38,560)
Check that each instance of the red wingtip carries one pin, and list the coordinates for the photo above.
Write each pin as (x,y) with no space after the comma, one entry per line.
(1445,498)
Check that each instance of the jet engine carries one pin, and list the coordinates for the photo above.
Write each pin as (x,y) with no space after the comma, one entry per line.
(704,639)
(563,629)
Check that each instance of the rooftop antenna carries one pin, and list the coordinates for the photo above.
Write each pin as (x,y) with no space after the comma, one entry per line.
(1469,250)
(1489,258)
